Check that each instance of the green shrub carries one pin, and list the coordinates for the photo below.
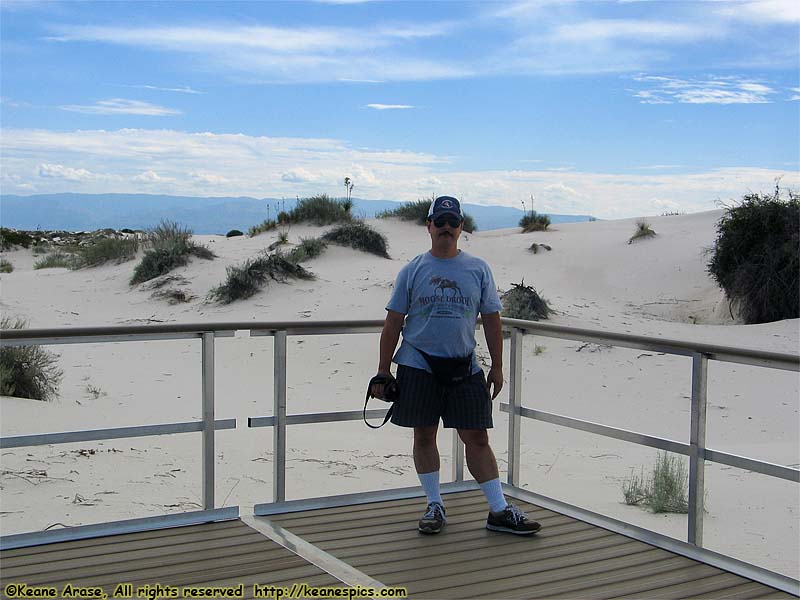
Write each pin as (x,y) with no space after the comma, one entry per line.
(261,228)
(156,262)
(234,233)
(284,217)
(664,490)
(105,249)
(532,221)
(469,224)
(360,236)
(409,211)
(307,249)
(27,371)
(172,245)
(246,280)
(11,237)
(57,260)
(643,230)
(320,210)
(418,213)
(756,257)
(5,266)
(524,302)
(283,239)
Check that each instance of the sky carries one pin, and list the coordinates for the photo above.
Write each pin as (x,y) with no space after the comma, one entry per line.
(615,109)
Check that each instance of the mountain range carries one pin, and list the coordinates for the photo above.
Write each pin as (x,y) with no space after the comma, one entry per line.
(204,215)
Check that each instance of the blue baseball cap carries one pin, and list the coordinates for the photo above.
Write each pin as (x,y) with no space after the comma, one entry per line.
(445,205)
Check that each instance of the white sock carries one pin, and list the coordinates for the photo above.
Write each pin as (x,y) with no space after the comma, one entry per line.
(430,484)
(493,491)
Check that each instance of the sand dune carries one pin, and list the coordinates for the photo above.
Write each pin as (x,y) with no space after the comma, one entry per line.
(592,277)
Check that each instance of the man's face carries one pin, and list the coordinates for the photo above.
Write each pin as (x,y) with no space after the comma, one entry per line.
(445,229)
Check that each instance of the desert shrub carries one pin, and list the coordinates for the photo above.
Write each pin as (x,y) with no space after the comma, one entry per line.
(172,245)
(246,280)
(532,221)
(307,249)
(103,250)
(360,236)
(469,224)
(536,247)
(756,257)
(27,371)
(262,227)
(173,296)
(5,266)
(11,237)
(418,213)
(524,302)
(57,260)
(283,239)
(664,489)
(156,262)
(643,230)
(409,211)
(284,217)
(234,233)
(320,210)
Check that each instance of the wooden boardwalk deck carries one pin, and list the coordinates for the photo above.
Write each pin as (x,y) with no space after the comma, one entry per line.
(379,541)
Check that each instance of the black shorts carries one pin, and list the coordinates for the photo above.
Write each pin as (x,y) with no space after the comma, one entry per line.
(423,401)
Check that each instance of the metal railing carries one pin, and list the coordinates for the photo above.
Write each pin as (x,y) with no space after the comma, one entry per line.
(695,449)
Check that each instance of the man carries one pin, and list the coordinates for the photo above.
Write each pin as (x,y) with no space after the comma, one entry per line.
(439,295)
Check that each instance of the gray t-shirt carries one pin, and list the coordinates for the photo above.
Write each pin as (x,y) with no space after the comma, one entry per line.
(442,298)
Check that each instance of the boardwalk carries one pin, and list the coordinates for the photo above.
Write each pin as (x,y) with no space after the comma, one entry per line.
(377,544)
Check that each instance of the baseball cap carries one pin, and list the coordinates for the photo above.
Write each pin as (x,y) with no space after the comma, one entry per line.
(445,205)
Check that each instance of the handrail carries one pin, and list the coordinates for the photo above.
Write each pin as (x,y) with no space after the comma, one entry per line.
(700,353)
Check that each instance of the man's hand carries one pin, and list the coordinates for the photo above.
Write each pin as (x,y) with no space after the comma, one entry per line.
(377,389)
(494,378)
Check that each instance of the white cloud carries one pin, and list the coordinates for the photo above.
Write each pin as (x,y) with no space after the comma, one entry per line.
(729,90)
(299,176)
(390,106)
(762,11)
(629,29)
(377,53)
(61,172)
(122,106)
(186,163)
(151,177)
(179,90)
(209,178)
(796,94)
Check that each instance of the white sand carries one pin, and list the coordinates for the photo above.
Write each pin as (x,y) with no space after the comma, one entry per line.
(592,277)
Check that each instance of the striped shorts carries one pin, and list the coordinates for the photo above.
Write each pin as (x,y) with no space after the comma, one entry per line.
(423,401)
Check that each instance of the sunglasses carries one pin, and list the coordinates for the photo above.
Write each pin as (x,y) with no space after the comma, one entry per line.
(451,220)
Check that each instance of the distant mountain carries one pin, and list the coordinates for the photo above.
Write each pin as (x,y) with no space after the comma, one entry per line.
(79,212)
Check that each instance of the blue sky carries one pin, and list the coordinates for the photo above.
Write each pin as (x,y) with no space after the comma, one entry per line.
(616,109)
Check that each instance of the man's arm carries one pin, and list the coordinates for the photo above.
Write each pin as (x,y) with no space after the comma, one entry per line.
(493,331)
(389,337)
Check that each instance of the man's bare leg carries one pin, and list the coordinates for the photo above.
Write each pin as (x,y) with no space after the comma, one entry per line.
(426,452)
(480,458)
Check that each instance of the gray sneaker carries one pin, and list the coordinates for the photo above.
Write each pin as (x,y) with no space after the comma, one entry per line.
(433,520)
(512,520)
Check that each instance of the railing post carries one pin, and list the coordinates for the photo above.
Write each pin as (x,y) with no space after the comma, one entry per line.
(458,457)
(697,444)
(279,412)
(514,404)
(208,419)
